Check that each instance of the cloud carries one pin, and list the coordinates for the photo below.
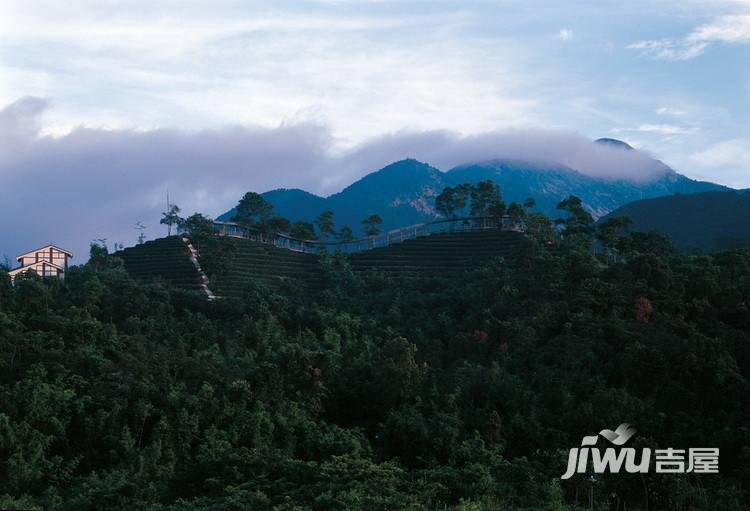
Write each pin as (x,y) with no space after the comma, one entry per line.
(672,112)
(19,124)
(97,183)
(659,129)
(731,156)
(367,67)
(565,34)
(733,152)
(445,149)
(729,29)
(668,49)
(94,183)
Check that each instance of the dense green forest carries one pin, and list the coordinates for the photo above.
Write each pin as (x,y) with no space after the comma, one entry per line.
(372,392)
(700,223)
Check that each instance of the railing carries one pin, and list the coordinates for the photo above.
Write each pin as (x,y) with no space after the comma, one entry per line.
(369,242)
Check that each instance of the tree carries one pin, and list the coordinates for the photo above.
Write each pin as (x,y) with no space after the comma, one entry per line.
(346,233)
(325,224)
(302,231)
(579,223)
(98,254)
(171,217)
(253,210)
(517,215)
(371,224)
(451,200)
(197,226)
(279,224)
(610,230)
(540,227)
(486,199)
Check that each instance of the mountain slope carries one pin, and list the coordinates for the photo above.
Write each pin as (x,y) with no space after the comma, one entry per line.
(549,183)
(704,222)
(290,203)
(403,192)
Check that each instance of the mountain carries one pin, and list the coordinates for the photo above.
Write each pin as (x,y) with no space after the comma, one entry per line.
(291,203)
(403,192)
(549,183)
(701,222)
(613,142)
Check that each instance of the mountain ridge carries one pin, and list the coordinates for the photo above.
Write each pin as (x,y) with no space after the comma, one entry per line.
(403,192)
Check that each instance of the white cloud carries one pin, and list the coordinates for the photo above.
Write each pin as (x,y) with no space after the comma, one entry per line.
(730,157)
(659,129)
(727,29)
(670,111)
(734,28)
(669,49)
(363,72)
(565,34)
(733,152)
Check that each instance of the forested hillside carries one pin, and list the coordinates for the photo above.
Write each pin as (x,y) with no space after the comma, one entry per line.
(377,393)
(701,222)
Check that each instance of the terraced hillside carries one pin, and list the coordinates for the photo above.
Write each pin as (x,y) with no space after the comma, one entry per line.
(232,263)
(164,258)
(444,254)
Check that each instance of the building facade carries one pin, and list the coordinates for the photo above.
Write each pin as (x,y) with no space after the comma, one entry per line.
(47,261)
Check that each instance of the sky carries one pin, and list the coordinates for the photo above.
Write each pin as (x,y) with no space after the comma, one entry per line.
(107,105)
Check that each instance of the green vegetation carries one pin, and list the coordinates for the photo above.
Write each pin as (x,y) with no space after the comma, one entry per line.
(171,217)
(253,211)
(232,264)
(446,254)
(700,223)
(346,233)
(167,259)
(368,391)
(452,200)
(372,225)
(326,225)
(302,231)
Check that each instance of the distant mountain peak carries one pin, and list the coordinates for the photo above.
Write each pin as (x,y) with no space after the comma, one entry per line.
(406,164)
(613,142)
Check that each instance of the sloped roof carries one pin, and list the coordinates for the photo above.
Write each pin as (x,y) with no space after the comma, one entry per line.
(33,266)
(45,247)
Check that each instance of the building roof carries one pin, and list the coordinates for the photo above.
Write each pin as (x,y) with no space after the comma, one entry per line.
(32,252)
(33,266)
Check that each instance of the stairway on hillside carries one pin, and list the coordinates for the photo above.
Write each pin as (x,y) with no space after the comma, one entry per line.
(164,258)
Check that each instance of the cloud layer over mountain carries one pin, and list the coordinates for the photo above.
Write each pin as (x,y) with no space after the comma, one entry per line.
(96,183)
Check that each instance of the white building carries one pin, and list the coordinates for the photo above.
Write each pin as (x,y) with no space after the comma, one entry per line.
(47,261)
